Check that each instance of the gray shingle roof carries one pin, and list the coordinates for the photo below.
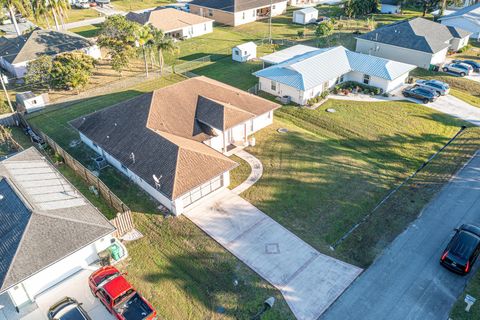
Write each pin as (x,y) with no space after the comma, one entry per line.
(234,5)
(40,42)
(416,34)
(164,130)
(42,218)
(472,12)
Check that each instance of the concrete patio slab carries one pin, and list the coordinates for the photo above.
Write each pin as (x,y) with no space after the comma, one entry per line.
(309,280)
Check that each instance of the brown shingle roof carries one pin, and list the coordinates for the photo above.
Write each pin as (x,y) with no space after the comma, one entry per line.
(168,19)
(162,131)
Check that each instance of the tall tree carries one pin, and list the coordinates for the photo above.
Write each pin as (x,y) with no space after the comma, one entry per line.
(72,70)
(39,72)
(118,36)
(144,39)
(14,6)
(354,8)
(162,44)
(41,10)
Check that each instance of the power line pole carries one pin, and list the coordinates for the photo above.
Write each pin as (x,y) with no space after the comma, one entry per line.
(6,93)
(270,24)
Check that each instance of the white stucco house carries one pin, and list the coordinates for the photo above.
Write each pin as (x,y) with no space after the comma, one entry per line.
(48,230)
(305,15)
(237,12)
(173,22)
(177,137)
(244,52)
(302,76)
(390,6)
(467,18)
(417,41)
(16,53)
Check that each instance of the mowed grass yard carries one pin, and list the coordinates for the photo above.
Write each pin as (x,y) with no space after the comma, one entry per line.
(331,169)
(183,272)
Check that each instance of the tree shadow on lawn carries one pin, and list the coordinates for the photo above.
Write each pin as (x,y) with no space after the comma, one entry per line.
(319,187)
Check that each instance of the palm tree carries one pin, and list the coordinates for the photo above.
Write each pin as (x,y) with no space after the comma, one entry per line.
(162,44)
(13,6)
(59,8)
(144,39)
(41,9)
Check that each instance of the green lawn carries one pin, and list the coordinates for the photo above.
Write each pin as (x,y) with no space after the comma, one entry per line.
(73,15)
(458,312)
(464,89)
(175,261)
(240,173)
(89,31)
(331,169)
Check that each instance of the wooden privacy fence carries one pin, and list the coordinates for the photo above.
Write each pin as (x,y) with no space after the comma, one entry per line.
(123,222)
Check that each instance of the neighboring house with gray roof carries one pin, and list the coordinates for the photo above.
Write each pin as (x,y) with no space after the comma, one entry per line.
(467,18)
(390,6)
(237,12)
(417,41)
(48,230)
(172,142)
(16,53)
(303,72)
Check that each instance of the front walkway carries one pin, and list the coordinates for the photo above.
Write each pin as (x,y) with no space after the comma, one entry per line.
(309,280)
(255,174)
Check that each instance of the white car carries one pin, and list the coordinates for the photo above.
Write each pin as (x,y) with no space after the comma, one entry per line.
(82,4)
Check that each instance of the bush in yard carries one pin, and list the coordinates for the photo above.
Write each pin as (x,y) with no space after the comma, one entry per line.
(465,49)
(38,72)
(300,33)
(72,70)
(324,94)
(354,8)
(324,29)
(360,87)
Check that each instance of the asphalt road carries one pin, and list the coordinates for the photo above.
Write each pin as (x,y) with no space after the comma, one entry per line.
(407,281)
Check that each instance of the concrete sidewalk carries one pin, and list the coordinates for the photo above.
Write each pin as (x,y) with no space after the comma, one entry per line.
(255,175)
(456,108)
(309,280)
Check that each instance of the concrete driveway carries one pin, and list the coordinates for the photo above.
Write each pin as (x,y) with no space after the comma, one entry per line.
(309,280)
(456,108)
(407,281)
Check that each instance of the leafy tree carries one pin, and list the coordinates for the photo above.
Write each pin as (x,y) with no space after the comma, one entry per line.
(38,71)
(324,29)
(72,70)
(119,36)
(359,7)
(162,44)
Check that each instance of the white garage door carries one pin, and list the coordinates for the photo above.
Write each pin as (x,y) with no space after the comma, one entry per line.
(200,192)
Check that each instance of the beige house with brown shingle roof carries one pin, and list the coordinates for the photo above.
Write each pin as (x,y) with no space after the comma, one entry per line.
(173,22)
(172,142)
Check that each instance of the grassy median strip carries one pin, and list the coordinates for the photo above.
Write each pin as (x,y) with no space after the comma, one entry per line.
(458,312)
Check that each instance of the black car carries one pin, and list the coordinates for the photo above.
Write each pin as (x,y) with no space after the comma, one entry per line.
(423,94)
(474,64)
(463,249)
(67,309)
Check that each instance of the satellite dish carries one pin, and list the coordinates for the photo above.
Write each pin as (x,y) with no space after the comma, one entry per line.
(157,181)
(132,156)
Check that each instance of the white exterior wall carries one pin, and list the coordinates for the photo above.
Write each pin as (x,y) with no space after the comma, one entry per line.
(250,15)
(384,84)
(296,95)
(58,271)
(244,55)
(195,30)
(464,24)
(389,8)
(457,44)
(302,18)
(418,58)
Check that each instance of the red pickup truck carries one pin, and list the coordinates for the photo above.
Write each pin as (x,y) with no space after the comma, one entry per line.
(118,295)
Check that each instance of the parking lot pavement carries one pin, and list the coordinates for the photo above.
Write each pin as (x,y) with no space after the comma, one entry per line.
(407,281)
(309,280)
(76,287)
(457,108)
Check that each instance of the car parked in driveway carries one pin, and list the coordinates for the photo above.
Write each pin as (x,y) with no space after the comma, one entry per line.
(462,250)
(439,87)
(119,296)
(67,309)
(474,64)
(461,69)
(423,94)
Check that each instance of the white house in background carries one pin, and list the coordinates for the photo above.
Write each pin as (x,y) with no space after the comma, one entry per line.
(305,15)
(417,41)
(48,230)
(28,102)
(467,18)
(390,6)
(244,52)
(173,22)
(304,76)
(177,137)
(309,3)
(16,53)
(237,12)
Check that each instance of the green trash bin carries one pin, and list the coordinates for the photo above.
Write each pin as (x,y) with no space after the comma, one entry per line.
(115,251)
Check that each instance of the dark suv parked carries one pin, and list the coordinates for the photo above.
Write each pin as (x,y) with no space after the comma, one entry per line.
(462,251)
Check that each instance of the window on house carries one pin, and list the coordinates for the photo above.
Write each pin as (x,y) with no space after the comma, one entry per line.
(270,115)
(205,27)
(366,79)
(243,15)
(251,125)
(34,101)
(237,52)
(340,79)
(273,7)
(274,86)
(254,13)
(210,12)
